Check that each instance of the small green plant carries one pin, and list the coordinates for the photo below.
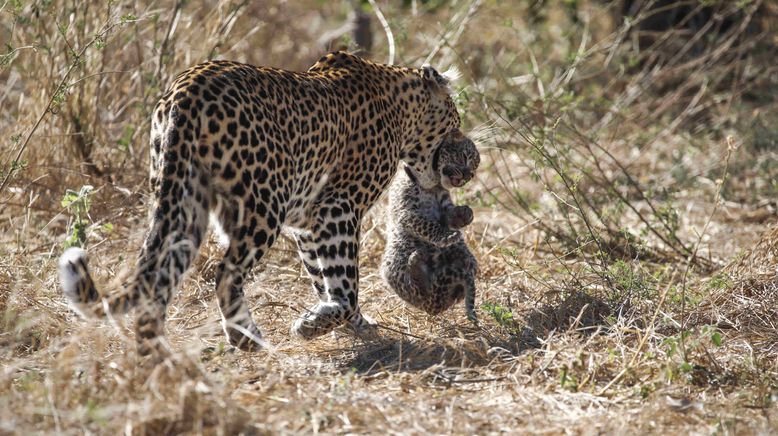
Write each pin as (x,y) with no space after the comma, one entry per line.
(30,380)
(5,60)
(719,282)
(502,315)
(691,349)
(126,139)
(99,42)
(15,166)
(96,412)
(628,282)
(128,18)
(59,98)
(78,204)
(567,380)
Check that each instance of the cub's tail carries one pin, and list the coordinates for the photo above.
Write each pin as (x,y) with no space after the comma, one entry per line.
(470,302)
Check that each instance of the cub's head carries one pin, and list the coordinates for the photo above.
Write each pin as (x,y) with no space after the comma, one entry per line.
(455,160)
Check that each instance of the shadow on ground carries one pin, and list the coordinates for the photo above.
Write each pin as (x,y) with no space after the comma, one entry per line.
(468,347)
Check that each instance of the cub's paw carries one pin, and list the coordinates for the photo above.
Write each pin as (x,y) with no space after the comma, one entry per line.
(454,238)
(366,321)
(362,327)
(471,316)
(304,329)
(460,216)
(155,349)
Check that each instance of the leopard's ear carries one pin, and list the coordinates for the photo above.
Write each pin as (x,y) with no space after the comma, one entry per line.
(433,78)
(437,80)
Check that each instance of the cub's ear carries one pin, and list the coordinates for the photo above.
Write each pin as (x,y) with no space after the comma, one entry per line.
(411,175)
(432,77)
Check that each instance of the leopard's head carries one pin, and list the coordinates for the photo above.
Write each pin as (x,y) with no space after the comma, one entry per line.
(455,160)
(438,123)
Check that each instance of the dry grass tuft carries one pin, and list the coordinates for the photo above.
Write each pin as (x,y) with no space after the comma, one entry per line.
(749,307)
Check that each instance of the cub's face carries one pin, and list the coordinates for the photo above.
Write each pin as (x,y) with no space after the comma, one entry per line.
(455,160)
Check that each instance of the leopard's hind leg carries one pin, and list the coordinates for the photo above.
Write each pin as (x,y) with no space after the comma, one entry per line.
(251,231)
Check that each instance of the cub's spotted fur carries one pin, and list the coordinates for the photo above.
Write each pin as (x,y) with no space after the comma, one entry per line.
(426,261)
(261,149)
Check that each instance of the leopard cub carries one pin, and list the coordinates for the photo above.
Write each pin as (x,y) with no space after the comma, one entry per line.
(426,261)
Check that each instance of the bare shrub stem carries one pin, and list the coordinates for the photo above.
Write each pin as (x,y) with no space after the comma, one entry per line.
(387,30)
(60,87)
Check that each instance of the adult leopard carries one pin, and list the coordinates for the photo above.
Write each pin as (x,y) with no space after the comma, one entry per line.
(260,149)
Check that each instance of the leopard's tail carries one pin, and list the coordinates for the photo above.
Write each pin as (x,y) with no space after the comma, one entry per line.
(178,224)
(76,281)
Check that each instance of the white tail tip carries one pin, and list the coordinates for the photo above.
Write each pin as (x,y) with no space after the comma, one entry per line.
(68,273)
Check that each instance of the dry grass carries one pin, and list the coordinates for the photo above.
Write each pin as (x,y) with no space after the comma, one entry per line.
(617,184)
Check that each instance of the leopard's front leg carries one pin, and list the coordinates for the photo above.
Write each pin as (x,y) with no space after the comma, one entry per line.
(337,249)
(307,248)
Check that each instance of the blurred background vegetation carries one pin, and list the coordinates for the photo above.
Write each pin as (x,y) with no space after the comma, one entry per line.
(617,108)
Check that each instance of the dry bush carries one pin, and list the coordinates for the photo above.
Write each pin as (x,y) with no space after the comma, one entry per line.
(623,167)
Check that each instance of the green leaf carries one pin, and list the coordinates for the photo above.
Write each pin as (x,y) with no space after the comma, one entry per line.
(126,139)
(78,204)
(716,338)
(127,18)
(70,197)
